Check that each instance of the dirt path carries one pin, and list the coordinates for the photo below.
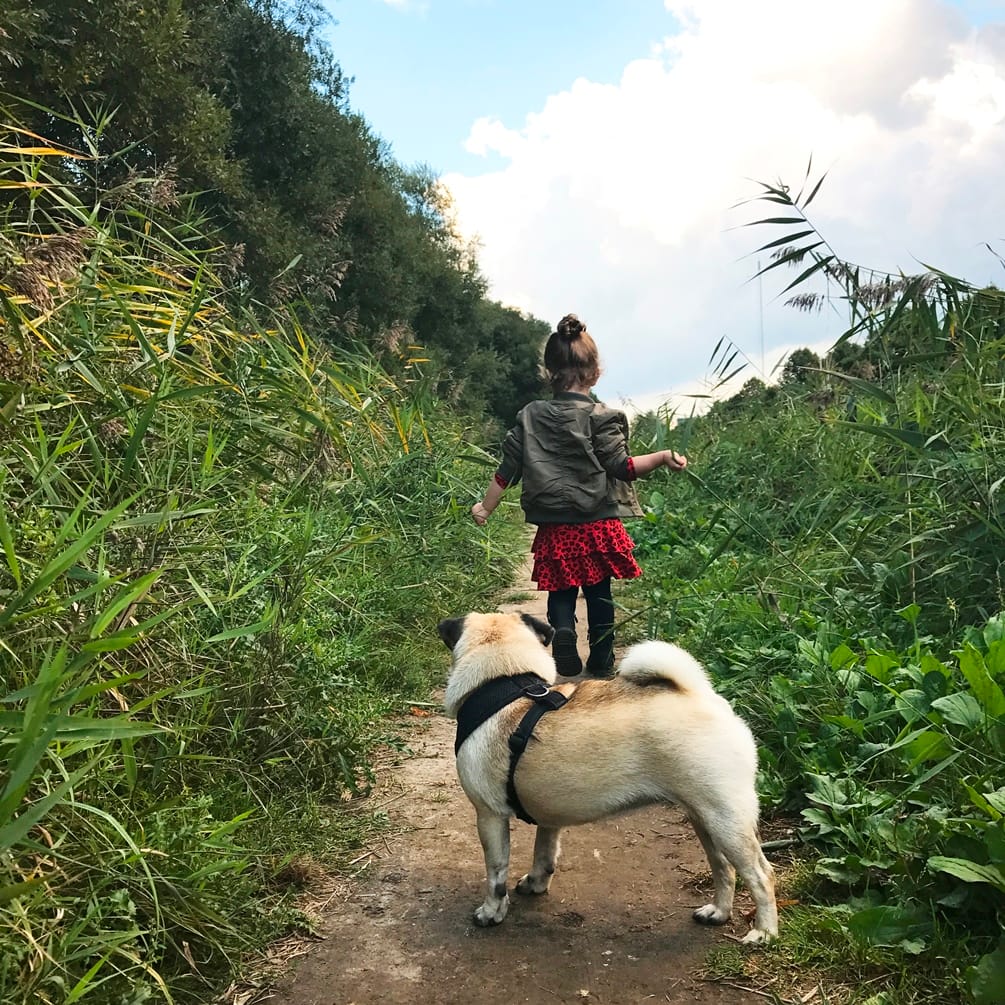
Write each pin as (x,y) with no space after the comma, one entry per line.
(615,929)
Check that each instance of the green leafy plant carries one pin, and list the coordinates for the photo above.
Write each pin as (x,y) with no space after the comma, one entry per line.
(834,554)
(223,546)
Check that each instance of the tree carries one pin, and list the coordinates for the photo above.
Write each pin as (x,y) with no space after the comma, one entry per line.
(248,109)
(799,367)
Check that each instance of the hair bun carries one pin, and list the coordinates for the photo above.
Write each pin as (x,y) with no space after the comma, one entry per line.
(570,327)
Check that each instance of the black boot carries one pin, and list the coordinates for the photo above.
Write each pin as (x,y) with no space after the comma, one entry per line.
(566,653)
(601,660)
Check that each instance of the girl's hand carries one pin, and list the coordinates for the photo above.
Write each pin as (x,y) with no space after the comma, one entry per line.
(480,514)
(675,461)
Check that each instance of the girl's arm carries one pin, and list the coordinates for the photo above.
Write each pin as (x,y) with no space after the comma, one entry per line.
(610,443)
(645,464)
(482,510)
(509,473)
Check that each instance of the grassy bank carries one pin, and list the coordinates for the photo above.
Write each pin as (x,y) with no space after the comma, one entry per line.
(835,556)
(224,551)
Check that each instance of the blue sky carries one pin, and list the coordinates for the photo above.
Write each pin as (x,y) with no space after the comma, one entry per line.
(594,150)
(425,71)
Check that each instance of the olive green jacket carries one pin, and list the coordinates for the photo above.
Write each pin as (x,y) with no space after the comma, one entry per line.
(572,455)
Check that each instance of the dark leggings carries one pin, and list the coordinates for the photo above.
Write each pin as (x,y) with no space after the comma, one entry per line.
(599,609)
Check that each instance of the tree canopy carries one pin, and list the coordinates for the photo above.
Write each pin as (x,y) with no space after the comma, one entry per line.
(244,105)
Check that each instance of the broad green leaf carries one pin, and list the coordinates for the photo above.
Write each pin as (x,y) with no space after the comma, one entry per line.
(842,656)
(995,659)
(847,870)
(986,980)
(929,745)
(985,690)
(969,872)
(818,817)
(902,927)
(961,710)
(994,631)
(981,801)
(912,704)
(853,725)
(930,665)
(879,665)
(996,800)
(994,841)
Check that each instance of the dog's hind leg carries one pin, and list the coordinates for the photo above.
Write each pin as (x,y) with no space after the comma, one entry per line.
(735,843)
(546,850)
(493,831)
(723,879)
(756,872)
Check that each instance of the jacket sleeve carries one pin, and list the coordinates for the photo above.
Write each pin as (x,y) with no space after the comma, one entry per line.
(610,443)
(511,465)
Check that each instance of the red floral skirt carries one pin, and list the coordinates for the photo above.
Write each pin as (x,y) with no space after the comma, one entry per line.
(581,554)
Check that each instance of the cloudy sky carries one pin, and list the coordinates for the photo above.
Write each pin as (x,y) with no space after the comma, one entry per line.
(598,150)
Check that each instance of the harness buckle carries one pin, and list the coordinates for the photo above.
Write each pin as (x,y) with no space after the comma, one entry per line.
(537,691)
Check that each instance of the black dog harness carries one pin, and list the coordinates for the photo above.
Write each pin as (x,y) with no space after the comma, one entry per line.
(493,697)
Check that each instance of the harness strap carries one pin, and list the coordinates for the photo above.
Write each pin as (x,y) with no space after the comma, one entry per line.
(545,700)
(492,697)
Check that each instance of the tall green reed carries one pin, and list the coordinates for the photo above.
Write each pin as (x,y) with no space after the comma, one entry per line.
(212,528)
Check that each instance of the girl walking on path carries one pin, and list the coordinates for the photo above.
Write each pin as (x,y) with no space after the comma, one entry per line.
(571,452)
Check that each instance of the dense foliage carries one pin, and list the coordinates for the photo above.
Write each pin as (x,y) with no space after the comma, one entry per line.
(215,539)
(837,555)
(228,473)
(243,102)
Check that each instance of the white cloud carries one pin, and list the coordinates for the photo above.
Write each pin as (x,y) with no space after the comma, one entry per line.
(695,397)
(614,201)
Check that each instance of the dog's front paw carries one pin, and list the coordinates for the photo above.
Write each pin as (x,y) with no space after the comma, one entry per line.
(710,915)
(758,936)
(491,913)
(531,884)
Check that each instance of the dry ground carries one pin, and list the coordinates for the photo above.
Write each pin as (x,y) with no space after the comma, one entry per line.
(615,929)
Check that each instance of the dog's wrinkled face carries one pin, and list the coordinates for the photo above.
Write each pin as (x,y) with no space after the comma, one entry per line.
(451,630)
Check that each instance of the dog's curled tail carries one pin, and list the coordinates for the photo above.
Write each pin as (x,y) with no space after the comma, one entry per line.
(664,663)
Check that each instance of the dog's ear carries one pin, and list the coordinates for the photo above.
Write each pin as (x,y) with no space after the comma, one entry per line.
(540,628)
(451,630)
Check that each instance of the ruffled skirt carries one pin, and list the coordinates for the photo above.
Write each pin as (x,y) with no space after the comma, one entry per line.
(581,554)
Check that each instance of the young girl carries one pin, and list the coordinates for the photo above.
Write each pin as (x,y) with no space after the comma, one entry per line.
(572,454)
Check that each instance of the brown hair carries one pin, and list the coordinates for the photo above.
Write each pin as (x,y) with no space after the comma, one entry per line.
(570,356)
